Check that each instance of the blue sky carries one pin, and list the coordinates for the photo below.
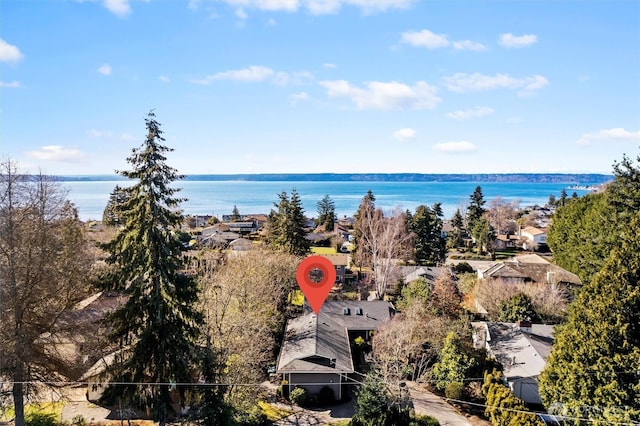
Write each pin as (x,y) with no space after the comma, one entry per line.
(272,86)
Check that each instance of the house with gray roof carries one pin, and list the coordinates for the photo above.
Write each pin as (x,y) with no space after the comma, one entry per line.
(316,350)
(522,348)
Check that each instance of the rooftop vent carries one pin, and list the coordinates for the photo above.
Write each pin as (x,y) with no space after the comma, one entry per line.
(346,311)
(358,311)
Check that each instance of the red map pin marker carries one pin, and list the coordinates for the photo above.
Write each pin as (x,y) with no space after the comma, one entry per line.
(316,276)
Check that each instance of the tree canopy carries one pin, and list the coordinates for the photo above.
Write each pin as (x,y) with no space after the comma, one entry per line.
(595,359)
(326,213)
(44,265)
(426,226)
(286,225)
(586,229)
(157,331)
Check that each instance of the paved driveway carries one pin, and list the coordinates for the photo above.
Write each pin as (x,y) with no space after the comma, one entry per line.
(425,402)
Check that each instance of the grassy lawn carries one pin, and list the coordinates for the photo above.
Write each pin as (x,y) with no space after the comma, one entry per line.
(323,250)
(274,413)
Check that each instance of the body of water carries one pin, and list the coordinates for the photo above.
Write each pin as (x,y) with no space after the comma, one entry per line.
(218,197)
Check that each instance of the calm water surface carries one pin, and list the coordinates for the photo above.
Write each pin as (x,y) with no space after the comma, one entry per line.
(219,197)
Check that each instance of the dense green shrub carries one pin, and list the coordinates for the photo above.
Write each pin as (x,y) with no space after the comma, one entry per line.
(299,396)
(463,268)
(453,390)
(39,419)
(424,420)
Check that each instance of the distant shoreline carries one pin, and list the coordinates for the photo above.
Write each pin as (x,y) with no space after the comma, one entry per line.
(568,178)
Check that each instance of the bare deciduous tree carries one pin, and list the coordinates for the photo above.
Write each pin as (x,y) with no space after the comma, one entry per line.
(502,215)
(386,240)
(44,264)
(245,304)
(549,299)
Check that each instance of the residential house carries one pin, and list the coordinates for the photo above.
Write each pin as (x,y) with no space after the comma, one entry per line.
(530,269)
(506,241)
(316,351)
(522,349)
(533,237)
(411,273)
(340,262)
(243,227)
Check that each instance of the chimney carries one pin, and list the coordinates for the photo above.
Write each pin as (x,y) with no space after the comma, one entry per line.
(524,326)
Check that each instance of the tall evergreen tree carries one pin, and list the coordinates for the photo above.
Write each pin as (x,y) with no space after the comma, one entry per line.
(475,210)
(235,214)
(117,197)
(563,197)
(286,226)
(157,330)
(426,225)
(326,213)
(585,230)
(454,237)
(595,360)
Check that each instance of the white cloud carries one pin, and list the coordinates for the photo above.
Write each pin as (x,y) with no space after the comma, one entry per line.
(9,52)
(329,65)
(13,85)
(251,74)
(241,14)
(514,120)
(385,95)
(321,7)
(257,73)
(405,134)
(617,133)
(105,69)
(297,97)
(509,40)
(120,8)
(469,45)
(271,22)
(425,38)
(462,83)
(164,79)
(470,113)
(455,147)
(56,153)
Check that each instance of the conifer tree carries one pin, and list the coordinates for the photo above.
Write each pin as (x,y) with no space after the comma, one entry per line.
(110,216)
(426,224)
(326,213)
(594,366)
(476,209)
(286,226)
(156,331)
